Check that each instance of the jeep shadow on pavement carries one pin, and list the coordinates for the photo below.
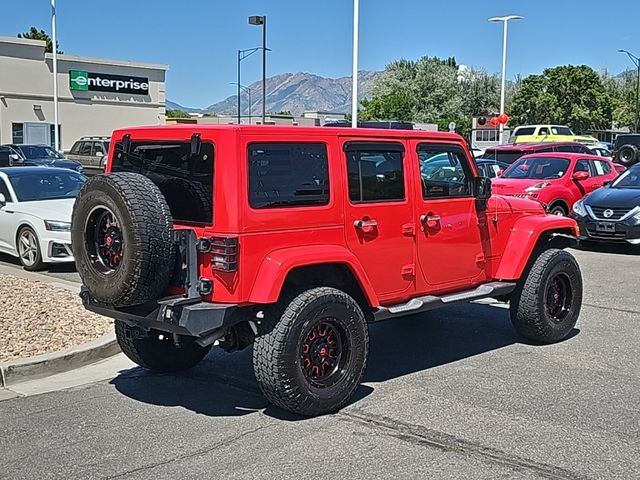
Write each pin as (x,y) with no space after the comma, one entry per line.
(295,239)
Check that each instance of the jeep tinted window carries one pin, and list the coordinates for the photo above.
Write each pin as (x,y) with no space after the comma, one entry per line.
(443,172)
(375,171)
(288,175)
(524,131)
(185,180)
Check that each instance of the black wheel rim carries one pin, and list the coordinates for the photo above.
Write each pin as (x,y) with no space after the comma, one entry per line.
(324,353)
(559,297)
(105,242)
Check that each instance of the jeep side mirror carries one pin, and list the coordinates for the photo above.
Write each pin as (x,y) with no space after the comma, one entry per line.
(580,175)
(482,188)
(3,200)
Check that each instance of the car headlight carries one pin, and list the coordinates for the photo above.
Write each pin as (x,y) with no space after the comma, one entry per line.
(537,186)
(57,226)
(579,210)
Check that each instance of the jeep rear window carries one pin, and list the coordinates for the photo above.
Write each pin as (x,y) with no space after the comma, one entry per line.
(185,180)
(288,175)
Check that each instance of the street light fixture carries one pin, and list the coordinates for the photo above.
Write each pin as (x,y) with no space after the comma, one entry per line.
(636,62)
(246,90)
(262,20)
(505,21)
(242,54)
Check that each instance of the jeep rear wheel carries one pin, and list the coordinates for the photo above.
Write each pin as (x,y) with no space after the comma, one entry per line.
(121,236)
(628,155)
(546,303)
(314,358)
(156,351)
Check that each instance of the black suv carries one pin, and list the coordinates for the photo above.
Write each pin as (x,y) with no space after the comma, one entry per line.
(626,149)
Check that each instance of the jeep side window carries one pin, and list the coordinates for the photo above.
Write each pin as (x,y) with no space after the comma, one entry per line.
(375,171)
(443,172)
(288,175)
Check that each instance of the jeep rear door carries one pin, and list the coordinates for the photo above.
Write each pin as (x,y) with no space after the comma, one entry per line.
(379,221)
(449,247)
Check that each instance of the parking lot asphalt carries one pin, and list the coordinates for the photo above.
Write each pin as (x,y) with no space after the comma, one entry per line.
(449,394)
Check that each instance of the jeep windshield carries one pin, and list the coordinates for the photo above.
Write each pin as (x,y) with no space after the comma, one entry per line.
(185,179)
(538,168)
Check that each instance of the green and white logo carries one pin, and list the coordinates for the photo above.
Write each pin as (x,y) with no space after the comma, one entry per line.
(78,80)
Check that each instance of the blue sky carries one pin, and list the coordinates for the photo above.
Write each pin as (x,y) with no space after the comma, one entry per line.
(199,38)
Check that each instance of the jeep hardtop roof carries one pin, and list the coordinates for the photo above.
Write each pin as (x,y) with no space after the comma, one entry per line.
(291,130)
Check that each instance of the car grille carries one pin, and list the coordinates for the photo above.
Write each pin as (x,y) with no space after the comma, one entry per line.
(618,213)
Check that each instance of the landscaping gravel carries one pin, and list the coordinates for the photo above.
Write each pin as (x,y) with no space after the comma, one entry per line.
(37,318)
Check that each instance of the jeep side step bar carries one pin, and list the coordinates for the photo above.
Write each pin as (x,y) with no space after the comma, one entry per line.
(431,302)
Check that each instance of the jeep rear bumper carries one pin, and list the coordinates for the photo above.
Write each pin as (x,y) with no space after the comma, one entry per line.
(172,314)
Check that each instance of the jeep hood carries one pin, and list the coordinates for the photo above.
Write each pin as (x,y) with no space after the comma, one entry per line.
(516,204)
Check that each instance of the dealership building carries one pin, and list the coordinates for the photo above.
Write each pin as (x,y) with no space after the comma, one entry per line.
(95,96)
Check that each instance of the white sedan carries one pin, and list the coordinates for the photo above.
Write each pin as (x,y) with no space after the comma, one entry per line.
(35,214)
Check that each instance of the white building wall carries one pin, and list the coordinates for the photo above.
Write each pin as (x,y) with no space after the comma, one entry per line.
(26,93)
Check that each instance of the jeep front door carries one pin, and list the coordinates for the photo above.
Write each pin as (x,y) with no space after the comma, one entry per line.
(380,226)
(449,247)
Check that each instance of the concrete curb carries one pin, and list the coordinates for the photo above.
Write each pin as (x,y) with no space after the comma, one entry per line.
(41,366)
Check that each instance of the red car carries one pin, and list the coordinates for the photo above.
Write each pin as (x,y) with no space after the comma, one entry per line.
(557,180)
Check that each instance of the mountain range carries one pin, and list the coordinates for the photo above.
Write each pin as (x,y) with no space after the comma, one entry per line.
(293,92)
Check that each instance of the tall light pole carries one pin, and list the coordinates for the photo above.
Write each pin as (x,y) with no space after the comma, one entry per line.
(262,20)
(242,54)
(636,62)
(56,128)
(246,90)
(505,22)
(354,73)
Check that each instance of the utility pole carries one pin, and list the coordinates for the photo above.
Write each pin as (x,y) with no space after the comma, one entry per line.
(56,127)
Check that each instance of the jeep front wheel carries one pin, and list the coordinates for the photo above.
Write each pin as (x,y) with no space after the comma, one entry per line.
(314,358)
(546,303)
(156,351)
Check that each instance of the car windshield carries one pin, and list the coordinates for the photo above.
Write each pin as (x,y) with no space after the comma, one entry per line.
(629,179)
(35,186)
(561,131)
(538,168)
(38,151)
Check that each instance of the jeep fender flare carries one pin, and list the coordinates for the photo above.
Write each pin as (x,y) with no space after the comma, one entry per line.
(525,234)
(276,266)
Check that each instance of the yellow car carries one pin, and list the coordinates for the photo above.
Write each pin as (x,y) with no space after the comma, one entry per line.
(548,133)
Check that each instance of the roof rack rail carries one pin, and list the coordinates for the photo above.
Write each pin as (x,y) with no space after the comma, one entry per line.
(96,137)
(389,124)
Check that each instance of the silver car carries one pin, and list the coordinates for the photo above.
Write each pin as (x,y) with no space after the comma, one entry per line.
(91,152)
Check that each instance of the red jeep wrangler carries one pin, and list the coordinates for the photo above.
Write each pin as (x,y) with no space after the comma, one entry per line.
(294,238)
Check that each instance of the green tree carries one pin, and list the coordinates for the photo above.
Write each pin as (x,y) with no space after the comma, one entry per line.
(176,113)
(395,106)
(35,34)
(571,95)
(623,91)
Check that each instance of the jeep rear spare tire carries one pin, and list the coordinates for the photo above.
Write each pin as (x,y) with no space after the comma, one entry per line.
(121,236)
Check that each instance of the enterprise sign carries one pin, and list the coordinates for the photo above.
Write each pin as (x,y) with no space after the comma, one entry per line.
(102,82)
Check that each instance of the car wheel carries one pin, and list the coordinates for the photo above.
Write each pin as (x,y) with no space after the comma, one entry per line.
(558,210)
(29,251)
(156,351)
(628,155)
(546,303)
(314,358)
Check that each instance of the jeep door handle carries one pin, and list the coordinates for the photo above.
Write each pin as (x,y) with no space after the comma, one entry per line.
(430,218)
(362,224)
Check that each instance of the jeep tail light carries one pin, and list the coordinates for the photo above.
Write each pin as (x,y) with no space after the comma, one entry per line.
(224,254)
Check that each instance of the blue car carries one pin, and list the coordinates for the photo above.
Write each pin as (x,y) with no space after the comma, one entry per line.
(41,155)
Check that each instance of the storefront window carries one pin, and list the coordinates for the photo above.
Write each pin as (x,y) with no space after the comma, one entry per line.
(18,133)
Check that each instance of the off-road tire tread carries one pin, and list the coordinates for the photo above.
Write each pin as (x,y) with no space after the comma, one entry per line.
(152,253)
(166,360)
(269,351)
(526,316)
